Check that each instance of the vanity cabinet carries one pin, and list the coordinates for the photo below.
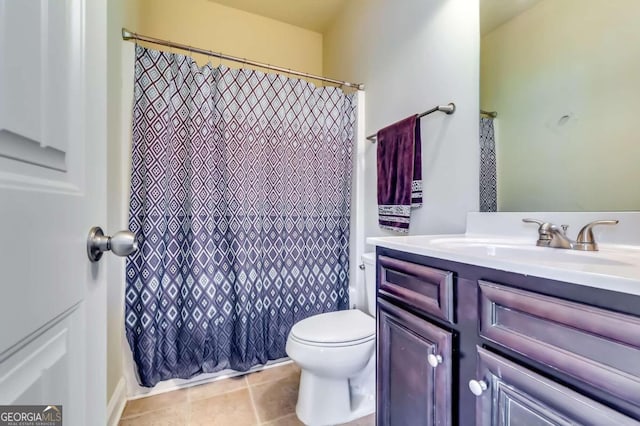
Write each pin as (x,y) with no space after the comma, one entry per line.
(511,349)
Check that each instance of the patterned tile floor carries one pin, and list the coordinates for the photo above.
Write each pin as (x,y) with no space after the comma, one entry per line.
(265,398)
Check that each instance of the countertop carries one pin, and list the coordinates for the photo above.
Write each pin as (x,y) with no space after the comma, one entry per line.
(614,267)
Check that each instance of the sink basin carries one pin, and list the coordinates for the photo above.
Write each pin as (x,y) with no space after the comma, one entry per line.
(520,250)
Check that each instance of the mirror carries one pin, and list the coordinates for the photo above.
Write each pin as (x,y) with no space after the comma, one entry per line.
(564,79)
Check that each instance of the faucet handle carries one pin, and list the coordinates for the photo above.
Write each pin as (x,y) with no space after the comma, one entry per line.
(544,231)
(585,240)
(539,222)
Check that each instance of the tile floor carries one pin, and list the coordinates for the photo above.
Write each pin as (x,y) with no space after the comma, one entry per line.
(265,398)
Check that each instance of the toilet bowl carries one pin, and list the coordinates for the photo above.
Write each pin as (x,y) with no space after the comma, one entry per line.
(336,355)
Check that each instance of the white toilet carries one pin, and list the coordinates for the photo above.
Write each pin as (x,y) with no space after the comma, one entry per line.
(336,353)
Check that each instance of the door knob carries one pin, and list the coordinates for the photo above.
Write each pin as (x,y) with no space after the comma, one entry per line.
(122,243)
(477,387)
(434,360)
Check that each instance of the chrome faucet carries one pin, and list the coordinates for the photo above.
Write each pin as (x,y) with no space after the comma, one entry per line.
(550,235)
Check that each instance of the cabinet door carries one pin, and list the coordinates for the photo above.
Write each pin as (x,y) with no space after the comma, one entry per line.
(410,390)
(510,394)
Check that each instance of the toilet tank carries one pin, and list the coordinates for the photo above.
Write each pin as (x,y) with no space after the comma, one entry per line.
(369,261)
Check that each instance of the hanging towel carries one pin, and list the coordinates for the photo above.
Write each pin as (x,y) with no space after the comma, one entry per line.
(399,173)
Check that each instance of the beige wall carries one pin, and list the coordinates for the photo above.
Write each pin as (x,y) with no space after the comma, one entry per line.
(412,55)
(209,25)
(579,58)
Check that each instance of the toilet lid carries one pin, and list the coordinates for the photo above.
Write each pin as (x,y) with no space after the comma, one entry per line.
(335,327)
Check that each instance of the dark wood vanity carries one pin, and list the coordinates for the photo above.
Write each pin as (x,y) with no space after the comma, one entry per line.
(460,344)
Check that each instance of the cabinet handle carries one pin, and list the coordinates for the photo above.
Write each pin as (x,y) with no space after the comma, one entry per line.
(434,360)
(477,387)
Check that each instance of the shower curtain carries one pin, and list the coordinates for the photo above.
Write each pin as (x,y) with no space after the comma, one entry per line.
(488,175)
(240,202)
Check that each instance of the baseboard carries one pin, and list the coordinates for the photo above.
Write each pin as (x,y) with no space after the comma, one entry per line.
(116,403)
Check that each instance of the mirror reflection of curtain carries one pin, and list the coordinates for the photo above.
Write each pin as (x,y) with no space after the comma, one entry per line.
(488,176)
(240,202)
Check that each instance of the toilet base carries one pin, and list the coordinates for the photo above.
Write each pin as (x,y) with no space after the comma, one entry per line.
(325,401)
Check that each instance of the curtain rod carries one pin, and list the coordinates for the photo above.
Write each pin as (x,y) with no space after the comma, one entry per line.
(128,35)
(449,109)
(492,114)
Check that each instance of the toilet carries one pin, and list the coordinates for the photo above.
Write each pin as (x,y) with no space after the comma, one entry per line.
(336,355)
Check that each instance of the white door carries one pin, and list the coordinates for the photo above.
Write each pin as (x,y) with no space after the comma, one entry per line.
(52,190)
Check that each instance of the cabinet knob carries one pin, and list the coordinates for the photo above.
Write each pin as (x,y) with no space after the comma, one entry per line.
(434,360)
(477,387)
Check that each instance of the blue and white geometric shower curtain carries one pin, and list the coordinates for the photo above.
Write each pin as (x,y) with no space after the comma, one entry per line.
(240,201)
(488,173)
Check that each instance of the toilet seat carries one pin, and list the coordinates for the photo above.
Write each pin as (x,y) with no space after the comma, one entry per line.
(333,345)
(341,328)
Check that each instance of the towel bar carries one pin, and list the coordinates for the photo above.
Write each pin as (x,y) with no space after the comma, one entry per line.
(448,109)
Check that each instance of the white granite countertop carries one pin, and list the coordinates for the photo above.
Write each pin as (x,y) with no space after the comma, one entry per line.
(614,267)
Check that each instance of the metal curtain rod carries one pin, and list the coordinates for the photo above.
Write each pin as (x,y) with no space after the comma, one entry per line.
(128,35)
(492,114)
(449,109)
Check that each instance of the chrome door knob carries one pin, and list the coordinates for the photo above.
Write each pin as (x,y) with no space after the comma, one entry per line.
(122,243)
(477,387)
(434,360)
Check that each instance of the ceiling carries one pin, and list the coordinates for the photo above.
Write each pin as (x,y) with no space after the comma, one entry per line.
(315,15)
(494,13)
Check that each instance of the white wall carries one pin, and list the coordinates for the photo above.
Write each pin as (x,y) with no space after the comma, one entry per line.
(120,13)
(413,55)
(120,91)
(566,57)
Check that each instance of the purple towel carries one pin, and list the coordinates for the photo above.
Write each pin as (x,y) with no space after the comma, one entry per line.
(399,173)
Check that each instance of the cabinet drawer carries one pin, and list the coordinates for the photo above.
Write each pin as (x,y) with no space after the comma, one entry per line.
(425,288)
(596,346)
(515,395)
